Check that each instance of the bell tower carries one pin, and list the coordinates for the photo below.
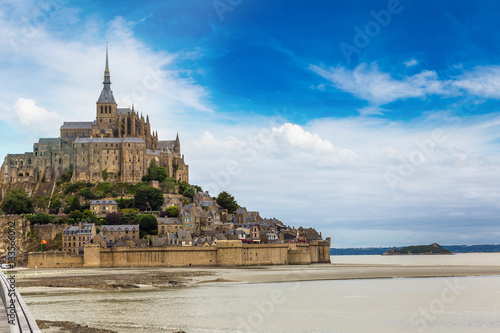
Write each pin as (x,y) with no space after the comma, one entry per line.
(106,105)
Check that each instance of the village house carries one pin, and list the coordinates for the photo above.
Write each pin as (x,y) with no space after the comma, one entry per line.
(169,225)
(190,217)
(103,207)
(75,236)
(115,232)
(185,238)
(101,240)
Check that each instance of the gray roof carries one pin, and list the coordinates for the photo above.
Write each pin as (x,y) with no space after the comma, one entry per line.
(120,243)
(109,140)
(159,241)
(206,203)
(71,231)
(48,141)
(78,125)
(123,110)
(184,235)
(166,144)
(153,152)
(106,95)
(103,202)
(122,227)
(132,139)
(86,229)
(169,220)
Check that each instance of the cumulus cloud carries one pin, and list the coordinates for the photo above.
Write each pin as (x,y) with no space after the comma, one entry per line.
(360,174)
(31,118)
(28,114)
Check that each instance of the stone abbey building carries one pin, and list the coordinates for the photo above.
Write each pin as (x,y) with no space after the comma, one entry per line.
(119,141)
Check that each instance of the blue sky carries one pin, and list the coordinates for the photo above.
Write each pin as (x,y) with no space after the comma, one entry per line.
(375,121)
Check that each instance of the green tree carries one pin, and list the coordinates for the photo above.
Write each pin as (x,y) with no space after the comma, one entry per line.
(172,211)
(227,201)
(87,193)
(17,202)
(182,187)
(148,195)
(87,214)
(75,204)
(125,203)
(169,184)
(105,174)
(75,215)
(40,218)
(129,215)
(65,177)
(155,173)
(147,224)
(189,192)
(55,204)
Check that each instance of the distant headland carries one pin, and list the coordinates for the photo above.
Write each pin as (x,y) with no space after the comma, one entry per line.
(434,248)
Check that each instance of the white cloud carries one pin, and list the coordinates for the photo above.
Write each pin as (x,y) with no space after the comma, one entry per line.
(335,169)
(412,62)
(29,115)
(482,81)
(367,82)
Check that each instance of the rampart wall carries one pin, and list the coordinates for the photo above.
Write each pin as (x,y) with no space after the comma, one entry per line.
(226,253)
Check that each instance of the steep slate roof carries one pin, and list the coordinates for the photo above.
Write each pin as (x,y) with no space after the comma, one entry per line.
(158,242)
(312,234)
(166,144)
(120,243)
(78,125)
(169,220)
(184,236)
(71,231)
(86,229)
(123,110)
(103,202)
(115,227)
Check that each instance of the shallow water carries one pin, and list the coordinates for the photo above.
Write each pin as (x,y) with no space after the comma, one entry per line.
(466,304)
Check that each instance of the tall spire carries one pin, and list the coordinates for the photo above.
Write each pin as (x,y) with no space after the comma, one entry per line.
(106,93)
(107,76)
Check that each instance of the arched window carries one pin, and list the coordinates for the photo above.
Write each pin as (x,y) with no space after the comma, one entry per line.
(101,109)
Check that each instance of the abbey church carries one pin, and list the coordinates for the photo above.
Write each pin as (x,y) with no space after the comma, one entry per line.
(119,141)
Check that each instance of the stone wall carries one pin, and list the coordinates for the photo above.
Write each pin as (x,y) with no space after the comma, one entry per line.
(49,231)
(226,253)
(51,259)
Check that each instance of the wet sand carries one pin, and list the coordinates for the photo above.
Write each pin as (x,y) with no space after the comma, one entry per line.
(31,280)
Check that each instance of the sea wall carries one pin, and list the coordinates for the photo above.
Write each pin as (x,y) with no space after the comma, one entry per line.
(226,253)
(51,259)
